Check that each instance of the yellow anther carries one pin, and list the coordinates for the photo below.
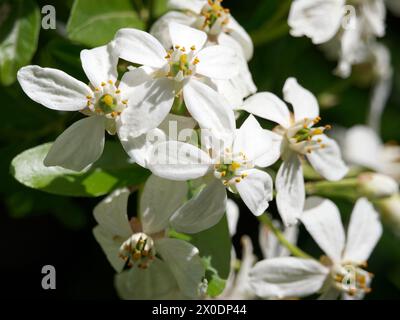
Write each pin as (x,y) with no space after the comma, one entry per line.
(196,61)
(244,175)
(89,97)
(88,103)
(193,48)
(235,165)
(317,131)
(177,47)
(328,127)
(183,49)
(103,84)
(125,101)
(108,100)
(183,59)
(237,180)
(118,91)
(110,82)
(96,89)
(223,173)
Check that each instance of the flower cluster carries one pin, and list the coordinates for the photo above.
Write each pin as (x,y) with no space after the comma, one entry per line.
(186,109)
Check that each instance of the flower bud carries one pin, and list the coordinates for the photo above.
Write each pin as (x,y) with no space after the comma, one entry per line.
(377,185)
(390,211)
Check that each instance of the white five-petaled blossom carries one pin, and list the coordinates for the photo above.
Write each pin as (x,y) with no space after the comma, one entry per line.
(156,263)
(231,161)
(222,29)
(340,272)
(103,101)
(173,73)
(347,27)
(209,16)
(361,146)
(298,138)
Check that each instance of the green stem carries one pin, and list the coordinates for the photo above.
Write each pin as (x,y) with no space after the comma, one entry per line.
(296,251)
(273,28)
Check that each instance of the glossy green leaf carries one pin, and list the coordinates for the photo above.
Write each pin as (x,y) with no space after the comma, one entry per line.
(112,171)
(95,22)
(19,33)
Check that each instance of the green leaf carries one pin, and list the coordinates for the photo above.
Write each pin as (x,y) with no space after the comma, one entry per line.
(19,33)
(95,22)
(215,244)
(112,171)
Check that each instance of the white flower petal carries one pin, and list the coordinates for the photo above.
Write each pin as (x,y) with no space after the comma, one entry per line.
(252,140)
(273,154)
(187,37)
(330,294)
(110,247)
(148,106)
(194,216)
(270,245)
(111,214)
(133,78)
(232,214)
(191,5)
(287,277)
(100,64)
(256,190)
(155,283)
(322,220)
(208,107)
(238,33)
(268,106)
(159,200)
(140,47)
(176,160)
(363,233)
(290,190)
(139,148)
(362,146)
(160,28)
(218,62)
(374,12)
(328,161)
(78,146)
(319,20)
(184,262)
(53,88)
(304,103)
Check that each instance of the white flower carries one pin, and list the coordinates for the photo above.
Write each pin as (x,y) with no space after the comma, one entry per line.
(137,243)
(340,272)
(298,139)
(230,160)
(103,100)
(222,29)
(351,24)
(171,74)
(209,16)
(363,147)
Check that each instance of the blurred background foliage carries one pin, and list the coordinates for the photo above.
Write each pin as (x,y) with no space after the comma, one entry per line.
(38,228)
